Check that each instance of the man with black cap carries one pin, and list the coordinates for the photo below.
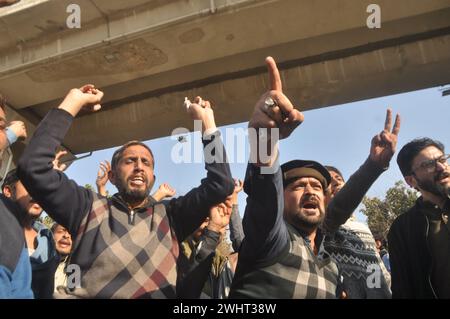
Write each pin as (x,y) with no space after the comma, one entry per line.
(278,257)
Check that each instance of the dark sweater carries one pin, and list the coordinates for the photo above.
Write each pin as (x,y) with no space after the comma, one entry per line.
(201,268)
(409,255)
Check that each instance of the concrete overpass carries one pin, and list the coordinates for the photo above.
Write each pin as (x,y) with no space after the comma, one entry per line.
(148,55)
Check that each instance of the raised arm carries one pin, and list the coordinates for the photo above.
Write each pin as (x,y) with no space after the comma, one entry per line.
(102,177)
(65,201)
(164,191)
(265,232)
(194,270)
(190,210)
(382,149)
(236,230)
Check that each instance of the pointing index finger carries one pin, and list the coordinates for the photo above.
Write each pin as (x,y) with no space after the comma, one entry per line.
(274,75)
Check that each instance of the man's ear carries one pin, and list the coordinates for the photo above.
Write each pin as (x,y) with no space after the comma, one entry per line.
(112,177)
(7,191)
(153,183)
(411,181)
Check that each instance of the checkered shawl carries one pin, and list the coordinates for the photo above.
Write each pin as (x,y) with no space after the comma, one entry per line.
(297,274)
(119,259)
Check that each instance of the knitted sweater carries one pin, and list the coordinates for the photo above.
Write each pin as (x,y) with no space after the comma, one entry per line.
(351,244)
(353,248)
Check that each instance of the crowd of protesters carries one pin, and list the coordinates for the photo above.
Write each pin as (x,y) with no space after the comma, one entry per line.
(297,239)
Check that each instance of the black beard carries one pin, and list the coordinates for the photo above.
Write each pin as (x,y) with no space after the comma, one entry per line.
(433,187)
(304,224)
(133,196)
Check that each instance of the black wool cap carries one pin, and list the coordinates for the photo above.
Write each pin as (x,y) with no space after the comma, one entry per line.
(296,169)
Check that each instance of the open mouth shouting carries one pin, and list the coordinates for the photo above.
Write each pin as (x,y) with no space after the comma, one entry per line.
(64,243)
(138,181)
(310,206)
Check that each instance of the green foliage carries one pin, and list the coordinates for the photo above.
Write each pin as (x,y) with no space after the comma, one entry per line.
(381,213)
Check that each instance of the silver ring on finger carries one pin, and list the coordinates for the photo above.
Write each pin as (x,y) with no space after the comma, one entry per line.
(269,103)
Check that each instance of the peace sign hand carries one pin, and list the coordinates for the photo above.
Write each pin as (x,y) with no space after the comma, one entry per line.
(384,144)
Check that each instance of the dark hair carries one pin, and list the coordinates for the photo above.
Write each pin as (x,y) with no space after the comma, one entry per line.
(381,238)
(408,152)
(334,169)
(119,152)
(2,102)
(54,225)
(10,180)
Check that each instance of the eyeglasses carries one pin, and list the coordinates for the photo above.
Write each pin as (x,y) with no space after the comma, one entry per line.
(430,165)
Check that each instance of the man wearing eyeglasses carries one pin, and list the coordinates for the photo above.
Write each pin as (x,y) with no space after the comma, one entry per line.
(419,240)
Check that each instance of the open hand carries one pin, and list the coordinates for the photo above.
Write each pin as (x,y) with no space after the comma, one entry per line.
(18,127)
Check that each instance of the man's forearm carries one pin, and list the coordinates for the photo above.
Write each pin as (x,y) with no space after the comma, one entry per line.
(190,210)
(264,228)
(350,196)
(236,230)
(61,198)
(194,273)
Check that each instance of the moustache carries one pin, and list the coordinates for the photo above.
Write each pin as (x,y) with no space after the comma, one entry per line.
(310,199)
(441,175)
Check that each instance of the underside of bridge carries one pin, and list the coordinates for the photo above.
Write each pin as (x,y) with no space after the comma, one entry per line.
(148,55)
